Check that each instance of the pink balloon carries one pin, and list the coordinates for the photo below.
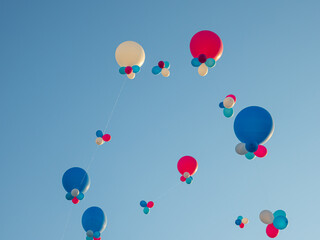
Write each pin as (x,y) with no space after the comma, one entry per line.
(261,151)
(187,164)
(150,204)
(241,225)
(182,179)
(232,96)
(128,70)
(272,232)
(75,200)
(106,137)
(97,238)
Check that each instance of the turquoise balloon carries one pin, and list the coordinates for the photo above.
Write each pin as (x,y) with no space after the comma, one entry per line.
(280,222)
(96,234)
(80,196)
(189,180)
(146,210)
(210,62)
(240,217)
(250,155)
(89,238)
(195,62)
(228,112)
(279,213)
(166,64)
(135,68)
(122,70)
(69,196)
(156,70)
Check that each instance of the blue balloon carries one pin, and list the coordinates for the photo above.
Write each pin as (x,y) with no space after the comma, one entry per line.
(135,68)
(76,178)
(96,234)
(238,222)
(253,125)
(143,203)
(279,213)
(280,222)
(250,155)
(210,62)
(99,133)
(221,105)
(89,238)
(69,196)
(146,210)
(94,219)
(122,70)
(228,112)
(166,64)
(252,147)
(80,196)
(240,217)
(156,70)
(195,62)
(189,180)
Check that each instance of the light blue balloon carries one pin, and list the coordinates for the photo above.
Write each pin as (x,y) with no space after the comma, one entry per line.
(99,133)
(96,234)
(166,64)
(122,70)
(89,238)
(69,196)
(135,68)
(195,62)
(228,112)
(80,196)
(280,222)
(210,62)
(189,180)
(250,155)
(146,210)
(156,70)
(279,213)
(94,219)
(240,217)
(76,178)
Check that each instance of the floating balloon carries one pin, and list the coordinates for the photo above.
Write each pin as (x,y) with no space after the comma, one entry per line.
(261,151)
(146,210)
(150,204)
(228,112)
(240,217)
(250,155)
(271,231)
(238,222)
(241,149)
(94,219)
(266,217)
(195,62)
(135,68)
(210,62)
(99,141)
(221,105)
(99,134)
(182,179)
(232,96)
(228,102)
(241,225)
(131,75)
(128,70)
(165,72)
(89,233)
(143,203)
(280,222)
(129,53)
(156,70)
(69,196)
(252,147)
(106,137)
(203,70)
(245,220)
(189,180)
(161,64)
(166,64)
(187,164)
(279,213)
(75,200)
(75,192)
(186,174)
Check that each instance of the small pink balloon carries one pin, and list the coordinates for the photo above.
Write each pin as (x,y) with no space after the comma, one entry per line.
(150,204)
(97,238)
(75,200)
(261,151)
(232,96)
(161,64)
(182,179)
(106,137)
(271,231)
(128,70)
(241,225)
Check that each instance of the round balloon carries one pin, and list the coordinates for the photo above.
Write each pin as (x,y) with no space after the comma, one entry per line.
(228,112)
(94,219)
(143,203)
(203,70)
(280,222)
(266,217)
(261,151)
(187,164)
(279,213)
(76,178)
(165,72)
(271,231)
(130,53)
(228,102)
(241,149)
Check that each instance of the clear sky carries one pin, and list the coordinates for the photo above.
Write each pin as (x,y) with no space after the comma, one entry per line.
(60,80)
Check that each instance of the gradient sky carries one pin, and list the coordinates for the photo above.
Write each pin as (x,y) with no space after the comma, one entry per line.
(59,83)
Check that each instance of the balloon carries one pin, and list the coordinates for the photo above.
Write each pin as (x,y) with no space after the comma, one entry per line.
(195,62)
(272,232)
(106,137)
(238,222)
(122,70)
(261,151)
(150,204)
(240,217)
(143,204)
(241,149)
(69,196)
(252,147)
(75,192)
(266,217)
(97,238)
(187,164)
(80,196)
(233,96)
(245,220)
(94,219)
(189,180)
(182,179)
(228,112)
(208,43)
(129,53)
(186,174)
(161,64)
(228,102)
(280,222)
(135,68)
(279,213)
(203,70)
(156,70)
(165,72)
(99,133)
(76,178)
(96,234)
(131,75)
(241,225)
(166,64)
(128,70)
(89,238)
(146,210)
(99,141)
(253,125)
(210,62)
(250,155)
(75,200)
(202,58)
(221,105)
(89,233)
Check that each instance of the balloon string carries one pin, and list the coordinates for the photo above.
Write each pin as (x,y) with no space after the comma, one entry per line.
(67,224)
(166,192)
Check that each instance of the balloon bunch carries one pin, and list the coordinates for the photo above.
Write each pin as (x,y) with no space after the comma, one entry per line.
(206,48)
(94,222)
(241,221)
(227,105)
(146,206)
(163,68)
(253,126)
(130,71)
(276,221)
(101,138)
(76,182)
(187,166)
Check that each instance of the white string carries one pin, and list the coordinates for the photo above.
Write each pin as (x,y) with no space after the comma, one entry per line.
(67,224)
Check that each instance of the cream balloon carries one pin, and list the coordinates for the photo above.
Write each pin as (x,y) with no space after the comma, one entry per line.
(131,75)
(266,217)
(186,174)
(245,220)
(241,149)
(228,102)
(130,53)
(99,141)
(203,70)
(165,72)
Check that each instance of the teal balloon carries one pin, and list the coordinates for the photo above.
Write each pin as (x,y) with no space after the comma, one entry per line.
(69,196)
(156,70)
(210,62)
(240,217)
(80,196)
(135,68)
(122,70)
(96,234)
(195,62)
(166,64)
(228,112)
(250,155)
(279,213)
(89,238)
(189,180)
(146,210)
(280,222)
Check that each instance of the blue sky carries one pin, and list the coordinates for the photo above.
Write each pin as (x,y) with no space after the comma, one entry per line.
(59,82)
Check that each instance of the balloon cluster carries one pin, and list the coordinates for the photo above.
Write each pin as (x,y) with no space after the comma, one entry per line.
(130,71)
(202,63)
(101,138)
(146,206)
(253,126)
(276,221)
(241,221)
(227,105)
(187,166)
(94,222)
(163,68)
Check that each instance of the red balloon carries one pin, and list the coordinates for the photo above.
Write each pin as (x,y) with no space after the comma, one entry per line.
(75,200)
(150,204)
(208,43)
(182,179)
(232,96)
(187,164)
(241,225)
(272,232)
(261,151)
(97,238)
(202,58)
(128,70)
(161,64)
(106,137)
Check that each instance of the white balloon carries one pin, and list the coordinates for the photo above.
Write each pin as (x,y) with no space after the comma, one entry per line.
(245,220)
(99,141)
(228,102)
(74,192)
(186,174)
(165,72)
(266,217)
(90,233)
(131,75)
(130,53)
(241,149)
(203,70)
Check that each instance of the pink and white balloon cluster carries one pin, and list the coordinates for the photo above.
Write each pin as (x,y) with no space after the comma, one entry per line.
(102,138)
(227,105)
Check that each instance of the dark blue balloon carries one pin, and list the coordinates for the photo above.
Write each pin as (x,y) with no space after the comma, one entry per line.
(238,222)
(99,133)
(69,196)
(221,105)
(94,219)
(76,178)
(253,125)
(252,147)
(143,204)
